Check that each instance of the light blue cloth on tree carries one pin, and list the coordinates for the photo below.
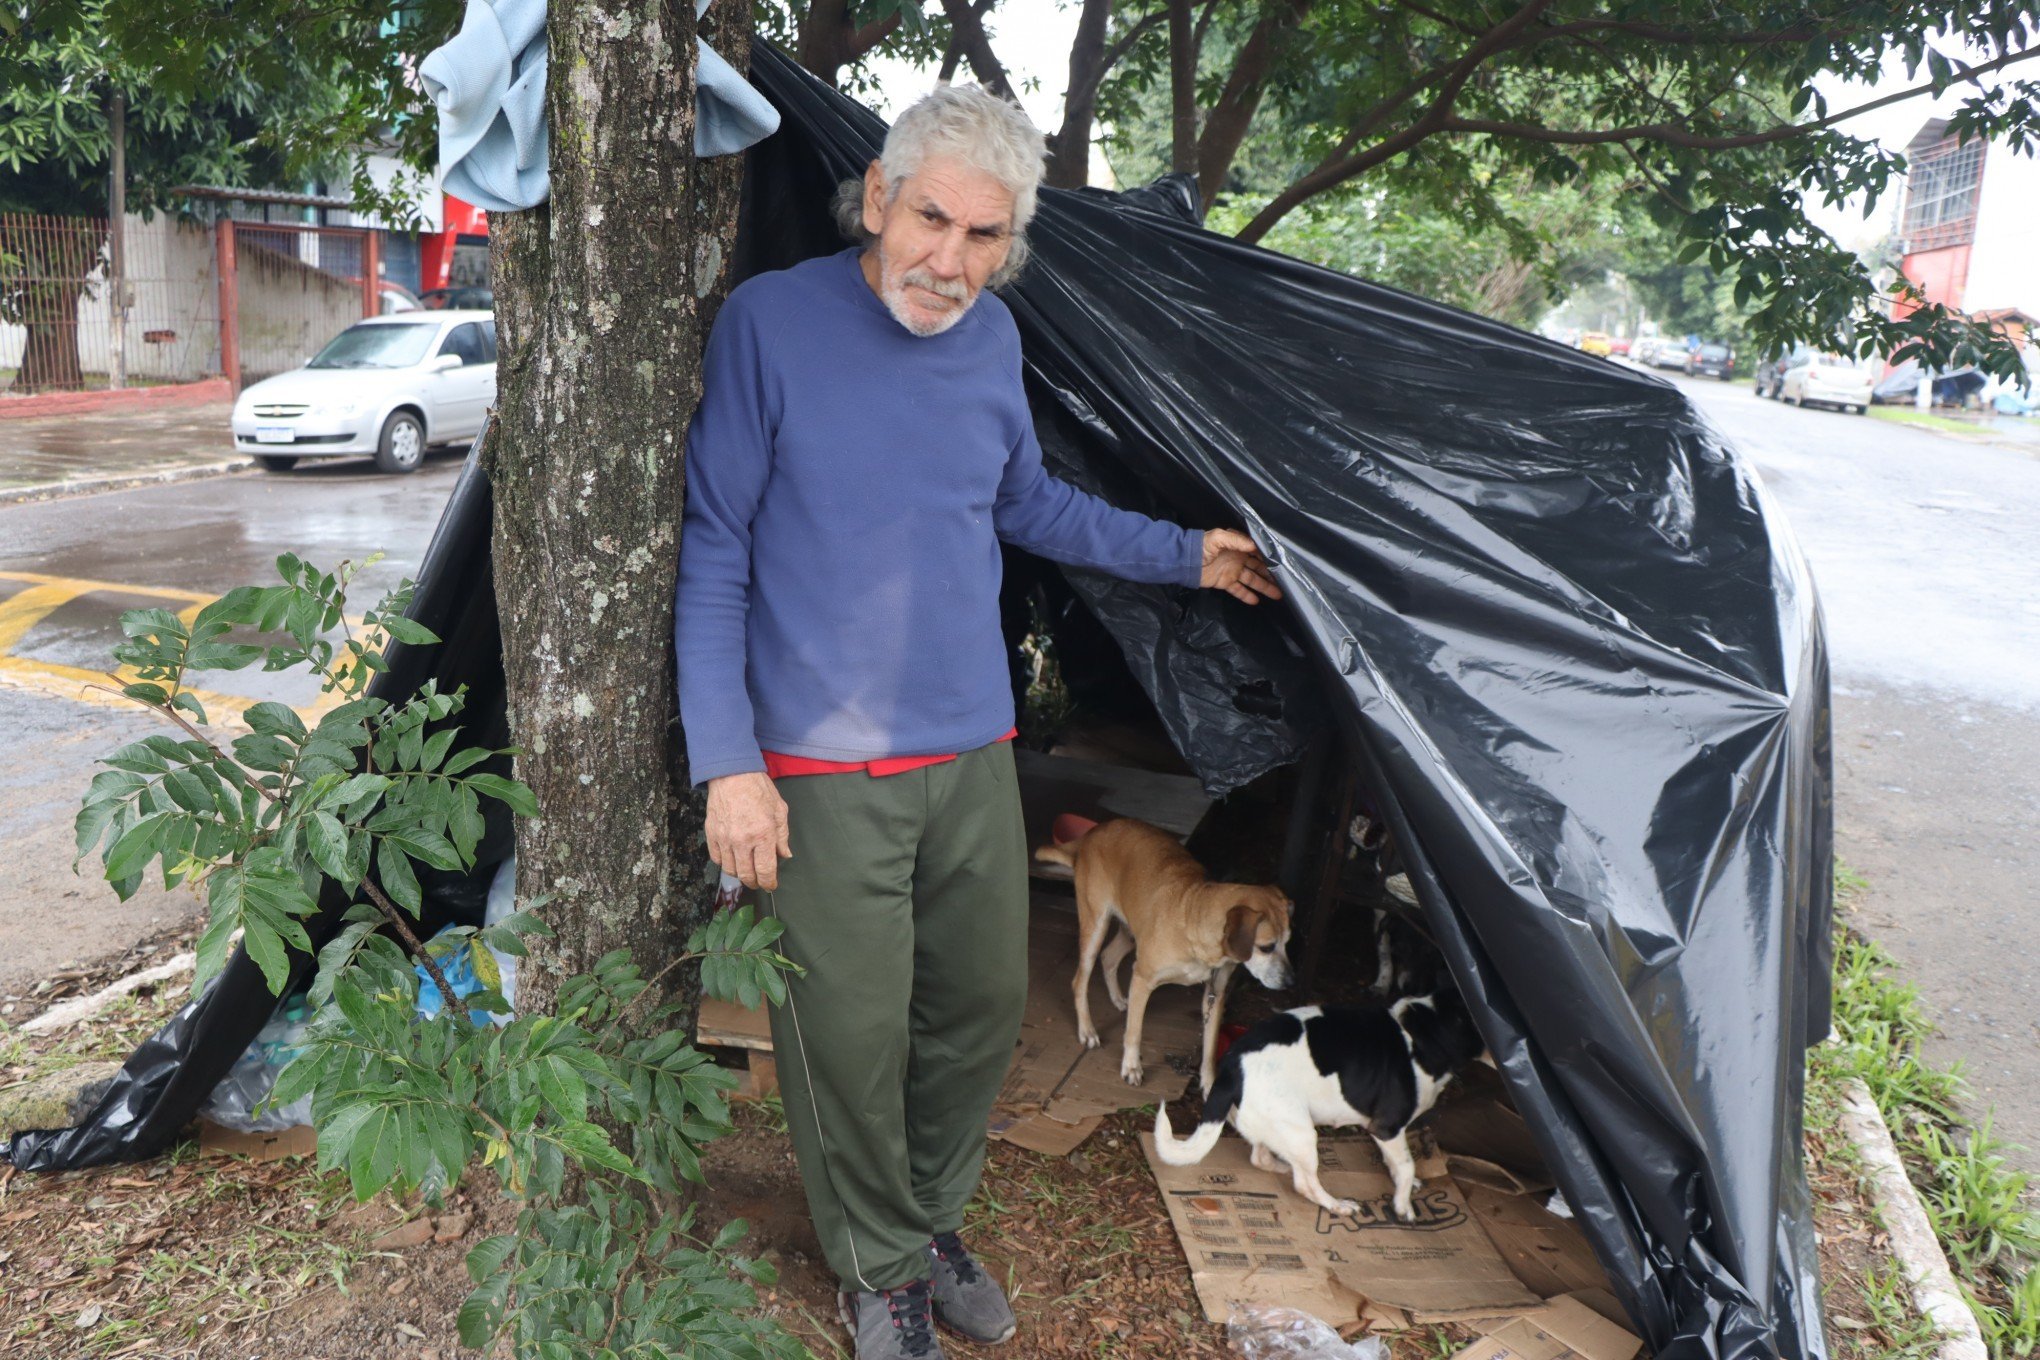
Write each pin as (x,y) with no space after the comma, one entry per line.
(489,84)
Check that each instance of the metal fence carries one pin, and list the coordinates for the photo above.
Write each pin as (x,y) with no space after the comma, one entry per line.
(242,299)
(63,325)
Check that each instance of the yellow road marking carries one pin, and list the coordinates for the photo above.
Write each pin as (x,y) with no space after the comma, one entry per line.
(70,682)
(24,609)
(79,585)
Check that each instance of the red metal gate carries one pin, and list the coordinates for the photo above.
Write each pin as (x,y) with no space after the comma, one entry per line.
(286,289)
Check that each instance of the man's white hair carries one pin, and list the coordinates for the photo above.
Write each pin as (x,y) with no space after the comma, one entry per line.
(978,128)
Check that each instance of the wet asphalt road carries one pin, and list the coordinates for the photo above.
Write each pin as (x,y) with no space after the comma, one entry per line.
(1926,551)
(88,558)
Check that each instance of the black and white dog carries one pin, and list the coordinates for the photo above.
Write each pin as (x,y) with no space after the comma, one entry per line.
(1379,1067)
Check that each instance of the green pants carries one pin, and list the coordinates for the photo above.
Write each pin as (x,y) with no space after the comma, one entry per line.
(905,899)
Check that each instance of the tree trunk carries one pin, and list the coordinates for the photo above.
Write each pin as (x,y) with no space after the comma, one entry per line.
(1069,150)
(44,268)
(49,354)
(1182,88)
(1226,125)
(604,297)
(825,42)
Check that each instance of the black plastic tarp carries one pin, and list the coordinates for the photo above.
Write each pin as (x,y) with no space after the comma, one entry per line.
(1535,598)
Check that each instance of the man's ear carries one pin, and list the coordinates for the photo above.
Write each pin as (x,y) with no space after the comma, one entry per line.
(1240,925)
(874,197)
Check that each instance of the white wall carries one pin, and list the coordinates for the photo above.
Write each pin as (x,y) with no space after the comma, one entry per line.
(289,309)
(2004,262)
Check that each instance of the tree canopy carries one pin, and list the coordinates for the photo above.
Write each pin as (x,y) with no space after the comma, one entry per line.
(201,107)
(1701,114)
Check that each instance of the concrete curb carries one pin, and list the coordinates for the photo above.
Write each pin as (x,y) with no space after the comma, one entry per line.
(1912,1233)
(55,1100)
(85,1007)
(85,486)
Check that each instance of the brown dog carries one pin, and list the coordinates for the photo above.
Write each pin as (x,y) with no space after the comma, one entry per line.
(1186,928)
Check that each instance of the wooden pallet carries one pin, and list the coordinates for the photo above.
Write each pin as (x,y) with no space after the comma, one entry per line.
(747,1034)
(1051,785)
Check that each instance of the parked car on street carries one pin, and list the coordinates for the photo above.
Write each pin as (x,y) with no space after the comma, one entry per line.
(387,387)
(1595,342)
(1811,378)
(1644,350)
(1668,354)
(1711,360)
(1619,345)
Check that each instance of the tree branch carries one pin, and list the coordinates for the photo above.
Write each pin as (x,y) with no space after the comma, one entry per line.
(1225,127)
(1338,168)
(965,22)
(874,33)
(375,895)
(1126,40)
(952,51)
(1451,77)
(1674,135)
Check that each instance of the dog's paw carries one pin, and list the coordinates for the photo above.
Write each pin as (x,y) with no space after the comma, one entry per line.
(1087,1037)
(1344,1208)
(1131,1070)
(1118,1002)
(1403,1212)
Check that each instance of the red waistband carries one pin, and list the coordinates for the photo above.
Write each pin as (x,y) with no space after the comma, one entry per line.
(780,766)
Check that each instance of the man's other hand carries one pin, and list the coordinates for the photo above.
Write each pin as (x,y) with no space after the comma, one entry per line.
(1233,564)
(747,828)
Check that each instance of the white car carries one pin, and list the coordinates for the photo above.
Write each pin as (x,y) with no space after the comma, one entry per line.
(388,387)
(1826,380)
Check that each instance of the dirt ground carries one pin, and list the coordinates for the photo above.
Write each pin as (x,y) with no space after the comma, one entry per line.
(204,1256)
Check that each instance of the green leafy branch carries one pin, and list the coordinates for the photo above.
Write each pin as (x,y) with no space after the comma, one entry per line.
(594,1116)
(262,818)
(405,1104)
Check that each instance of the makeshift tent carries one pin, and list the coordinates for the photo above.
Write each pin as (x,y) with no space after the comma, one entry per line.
(1541,607)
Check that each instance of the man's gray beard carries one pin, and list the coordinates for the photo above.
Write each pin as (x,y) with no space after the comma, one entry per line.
(894,295)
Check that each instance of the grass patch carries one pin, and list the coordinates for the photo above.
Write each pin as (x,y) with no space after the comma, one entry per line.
(1925,420)
(1978,1201)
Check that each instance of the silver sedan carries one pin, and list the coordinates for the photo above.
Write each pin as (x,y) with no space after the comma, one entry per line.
(388,387)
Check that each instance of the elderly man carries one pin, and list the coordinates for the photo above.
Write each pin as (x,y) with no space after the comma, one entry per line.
(862,446)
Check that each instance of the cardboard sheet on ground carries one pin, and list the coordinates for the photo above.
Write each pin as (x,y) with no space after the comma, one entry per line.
(1485,1141)
(1548,1253)
(1250,1237)
(1566,1328)
(1057,1090)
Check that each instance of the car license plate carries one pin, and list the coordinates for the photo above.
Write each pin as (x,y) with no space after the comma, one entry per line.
(274,434)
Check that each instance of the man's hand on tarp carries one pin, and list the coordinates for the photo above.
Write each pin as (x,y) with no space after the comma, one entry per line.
(1233,564)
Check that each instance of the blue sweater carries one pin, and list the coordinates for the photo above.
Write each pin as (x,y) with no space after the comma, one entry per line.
(848,483)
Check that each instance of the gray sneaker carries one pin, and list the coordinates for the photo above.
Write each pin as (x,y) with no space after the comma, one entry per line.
(891,1324)
(967,1298)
